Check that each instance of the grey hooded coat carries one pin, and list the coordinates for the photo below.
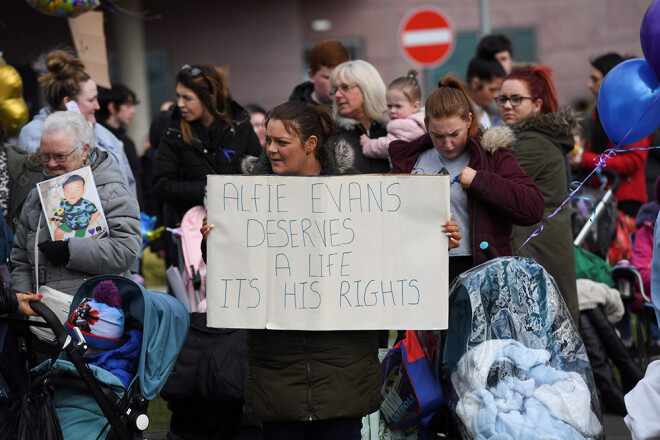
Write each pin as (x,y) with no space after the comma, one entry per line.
(88,256)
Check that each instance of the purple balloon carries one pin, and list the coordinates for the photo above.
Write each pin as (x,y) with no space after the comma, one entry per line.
(649,36)
(629,102)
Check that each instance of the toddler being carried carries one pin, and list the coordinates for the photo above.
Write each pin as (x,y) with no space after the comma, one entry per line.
(406,121)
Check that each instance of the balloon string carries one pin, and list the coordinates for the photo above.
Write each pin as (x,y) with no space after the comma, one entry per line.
(599,162)
(593,203)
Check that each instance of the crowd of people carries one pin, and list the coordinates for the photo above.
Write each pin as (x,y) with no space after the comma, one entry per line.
(500,135)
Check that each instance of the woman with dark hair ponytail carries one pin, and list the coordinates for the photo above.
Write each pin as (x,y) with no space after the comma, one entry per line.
(544,137)
(631,164)
(209,133)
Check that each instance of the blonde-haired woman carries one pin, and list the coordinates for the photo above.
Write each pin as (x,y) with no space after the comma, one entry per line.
(360,107)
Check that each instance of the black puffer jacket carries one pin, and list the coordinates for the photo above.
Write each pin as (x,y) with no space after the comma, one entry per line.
(205,389)
(180,170)
(350,131)
(8,301)
(312,375)
(303,93)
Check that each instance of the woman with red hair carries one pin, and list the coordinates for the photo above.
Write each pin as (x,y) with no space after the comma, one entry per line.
(544,132)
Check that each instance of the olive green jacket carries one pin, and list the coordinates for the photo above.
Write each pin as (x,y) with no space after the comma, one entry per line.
(543,142)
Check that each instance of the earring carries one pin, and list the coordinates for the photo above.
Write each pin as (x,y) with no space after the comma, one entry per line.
(469,125)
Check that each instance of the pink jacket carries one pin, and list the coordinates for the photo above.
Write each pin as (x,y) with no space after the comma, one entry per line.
(642,252)
(407,129)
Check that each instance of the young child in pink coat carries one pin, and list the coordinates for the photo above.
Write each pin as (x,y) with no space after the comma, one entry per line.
(642,251)
(406,121)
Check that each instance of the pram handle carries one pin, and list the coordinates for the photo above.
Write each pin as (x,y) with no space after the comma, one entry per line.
(488,250)
(52,321)
(616,180)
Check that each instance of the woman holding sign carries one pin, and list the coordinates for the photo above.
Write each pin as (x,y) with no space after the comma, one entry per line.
(489,193)
(310,384)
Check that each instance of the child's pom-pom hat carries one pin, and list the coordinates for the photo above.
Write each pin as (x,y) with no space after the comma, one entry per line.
(100,318)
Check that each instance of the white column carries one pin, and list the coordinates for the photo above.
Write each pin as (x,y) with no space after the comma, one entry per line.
(484,17)
(130,42)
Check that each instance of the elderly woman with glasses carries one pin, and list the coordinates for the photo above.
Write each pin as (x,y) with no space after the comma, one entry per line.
(544,133)
(67,144)
(208,133)
(360,107)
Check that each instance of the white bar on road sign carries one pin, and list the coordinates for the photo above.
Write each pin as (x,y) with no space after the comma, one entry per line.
(427,37)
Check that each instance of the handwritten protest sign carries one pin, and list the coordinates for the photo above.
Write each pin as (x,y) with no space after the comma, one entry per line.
(327,253)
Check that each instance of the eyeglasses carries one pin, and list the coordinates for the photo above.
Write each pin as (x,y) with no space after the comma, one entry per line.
(194,71)
(516,100)
(344,88)
(57,157)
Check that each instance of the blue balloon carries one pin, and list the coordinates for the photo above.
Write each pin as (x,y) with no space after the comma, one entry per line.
(629,100)
(649,36)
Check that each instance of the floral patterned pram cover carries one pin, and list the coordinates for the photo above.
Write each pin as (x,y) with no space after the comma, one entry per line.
(517,363)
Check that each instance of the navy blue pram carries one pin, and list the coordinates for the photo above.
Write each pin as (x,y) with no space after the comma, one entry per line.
(517,364)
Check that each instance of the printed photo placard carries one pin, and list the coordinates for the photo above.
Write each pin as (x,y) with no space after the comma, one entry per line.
(72,206)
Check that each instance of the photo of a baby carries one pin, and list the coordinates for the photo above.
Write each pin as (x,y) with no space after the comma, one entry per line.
(71,205)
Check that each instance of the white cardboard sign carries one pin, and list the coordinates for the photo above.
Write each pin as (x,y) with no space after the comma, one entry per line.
(328,253)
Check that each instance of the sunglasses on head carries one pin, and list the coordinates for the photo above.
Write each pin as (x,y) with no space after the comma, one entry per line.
(194,71)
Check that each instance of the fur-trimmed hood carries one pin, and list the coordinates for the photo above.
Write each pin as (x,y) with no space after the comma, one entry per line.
(563,122)
(348,124)
(339,159)
(498,137)
(558,127)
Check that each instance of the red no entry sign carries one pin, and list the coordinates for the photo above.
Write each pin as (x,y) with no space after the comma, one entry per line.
(427,37)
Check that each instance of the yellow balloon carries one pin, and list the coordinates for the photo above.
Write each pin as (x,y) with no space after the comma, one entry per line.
(13,111)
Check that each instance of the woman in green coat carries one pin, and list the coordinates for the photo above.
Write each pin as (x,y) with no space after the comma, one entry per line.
(528,105)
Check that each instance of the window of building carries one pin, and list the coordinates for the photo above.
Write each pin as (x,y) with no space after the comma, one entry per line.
(524,50)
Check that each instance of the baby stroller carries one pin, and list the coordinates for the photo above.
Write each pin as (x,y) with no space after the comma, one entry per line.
(611,238)
(188,281)
(595,206)
(516,362)
(98,406)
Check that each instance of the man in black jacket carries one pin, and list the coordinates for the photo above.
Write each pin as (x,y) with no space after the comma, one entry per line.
(324,57)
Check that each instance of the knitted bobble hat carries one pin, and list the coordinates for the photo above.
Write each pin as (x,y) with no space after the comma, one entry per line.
(99,318)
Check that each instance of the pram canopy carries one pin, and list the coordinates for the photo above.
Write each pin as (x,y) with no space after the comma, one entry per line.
(518,365)
(162,319)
